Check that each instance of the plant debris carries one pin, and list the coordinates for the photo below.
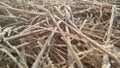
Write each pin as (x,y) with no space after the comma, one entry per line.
(59,34)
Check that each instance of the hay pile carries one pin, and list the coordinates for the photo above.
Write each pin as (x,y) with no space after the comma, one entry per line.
(73,34)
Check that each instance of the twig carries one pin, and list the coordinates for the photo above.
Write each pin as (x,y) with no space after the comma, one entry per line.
(70,60)
(109,32)
(80,34)
(24,44)
(54,21)
(3,17)
(15,10)
(35,64)
(58,10)
(12,57)
(21,35)
(106,63)
(83,24)
(80,65)
(18,52)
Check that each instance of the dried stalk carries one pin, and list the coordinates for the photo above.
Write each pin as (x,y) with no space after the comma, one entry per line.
(80,65)
(70,60)
(12,57)
(79,35)
(35,64)
(106,63)
(109,32)
(92,41)
(23,35)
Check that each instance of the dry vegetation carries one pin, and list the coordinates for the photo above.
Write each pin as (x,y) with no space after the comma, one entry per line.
(59,34)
